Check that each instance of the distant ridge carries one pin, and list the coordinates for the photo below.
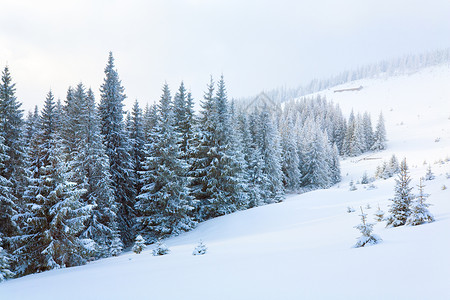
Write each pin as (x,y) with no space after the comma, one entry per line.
(405,64)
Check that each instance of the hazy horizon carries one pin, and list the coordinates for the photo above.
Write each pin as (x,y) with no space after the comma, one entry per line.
(256,45)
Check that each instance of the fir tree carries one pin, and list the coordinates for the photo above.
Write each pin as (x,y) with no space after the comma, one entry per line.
(419,209)
(11,123)
(165,202)
(115,141)
(379,142)
(55,216)
(89,169)
(200,249)
(137,139)
(290,160)
(366,238)
(267,139)
(429,175)
(139,244)
(400,207)
(5,267)
(379,214)
(161,249)
(116,246)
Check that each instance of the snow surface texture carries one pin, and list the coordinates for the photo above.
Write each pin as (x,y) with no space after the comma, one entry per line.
(302,248)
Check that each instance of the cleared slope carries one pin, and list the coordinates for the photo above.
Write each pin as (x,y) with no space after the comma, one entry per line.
(302,248)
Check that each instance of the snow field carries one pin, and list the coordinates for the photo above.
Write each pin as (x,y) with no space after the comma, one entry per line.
(302,248)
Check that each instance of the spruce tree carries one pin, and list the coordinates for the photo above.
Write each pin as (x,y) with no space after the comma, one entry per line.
(165,202)
(89,169)
(139,244)
(379,142)
(5,267)
(400,207)
(55,215)
(218,169)
(289,156)
(137,139)
(115,141)
(366,238)
(12,160)
(268,141)
(419,209)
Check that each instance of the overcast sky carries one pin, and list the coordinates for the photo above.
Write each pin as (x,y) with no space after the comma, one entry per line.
(256,44)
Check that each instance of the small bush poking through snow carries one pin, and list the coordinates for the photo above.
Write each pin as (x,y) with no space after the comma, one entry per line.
(429,175)
(139,244)
(443,187)
(368,206)
(161,249)
(366,238)
(352,186)
(200,249)
(365,178)
(350,209)
(379,215)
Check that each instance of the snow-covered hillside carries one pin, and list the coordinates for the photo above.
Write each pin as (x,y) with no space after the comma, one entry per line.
(302,248)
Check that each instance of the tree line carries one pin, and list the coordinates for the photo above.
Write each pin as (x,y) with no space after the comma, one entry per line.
(79,181)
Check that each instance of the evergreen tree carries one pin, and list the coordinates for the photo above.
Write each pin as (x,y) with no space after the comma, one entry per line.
(5,268)
(89,170)
(115,141)
(257,180)
(200,249)
(379,214)
(8,207)
(268,141)
(419,209)
(368,131)
(165,202)
(379,142)
(400,207)
(137,139)
(161,249)
(218,170)
(366,238)
(116,244)
(289,157)
(11,123)
(55,216)
(139,244)
(429,175)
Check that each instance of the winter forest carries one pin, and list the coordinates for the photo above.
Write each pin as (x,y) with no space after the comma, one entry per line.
(81,179)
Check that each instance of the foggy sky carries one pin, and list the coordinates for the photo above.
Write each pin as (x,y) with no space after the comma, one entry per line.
(257,45)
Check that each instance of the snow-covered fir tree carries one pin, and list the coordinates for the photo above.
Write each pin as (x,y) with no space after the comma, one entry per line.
(116,244)
(367,237)
(11,124)
(160,249)
(165,203)
(8,206)
(217,168)
(289,156)
(5,266)
(88,167)
(55,215)
(400,208)
(419,209)
(139,244)
(116,146)
(429,175)
(200,249)
(137,139)
(379,139)
(379,214)
(257,181)
(268,141)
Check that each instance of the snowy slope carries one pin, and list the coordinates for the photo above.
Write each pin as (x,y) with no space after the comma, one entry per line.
(302,248)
